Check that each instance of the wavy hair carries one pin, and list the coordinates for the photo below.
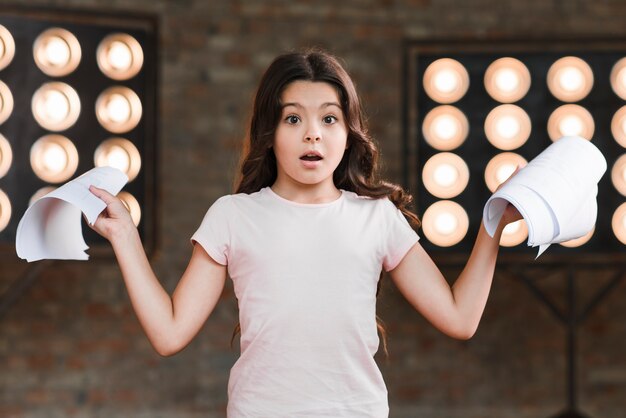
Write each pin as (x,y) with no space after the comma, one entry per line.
(359,168)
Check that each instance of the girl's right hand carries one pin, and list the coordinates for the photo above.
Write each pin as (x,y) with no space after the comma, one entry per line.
(115,220)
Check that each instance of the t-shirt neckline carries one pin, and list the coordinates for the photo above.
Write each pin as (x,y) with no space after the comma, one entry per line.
(275,196)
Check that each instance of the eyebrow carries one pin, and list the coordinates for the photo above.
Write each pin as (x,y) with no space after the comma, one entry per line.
(299,106)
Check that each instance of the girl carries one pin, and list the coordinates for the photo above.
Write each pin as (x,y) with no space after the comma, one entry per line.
(304,240)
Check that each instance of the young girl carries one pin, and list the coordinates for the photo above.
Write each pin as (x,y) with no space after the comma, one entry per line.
(304,240)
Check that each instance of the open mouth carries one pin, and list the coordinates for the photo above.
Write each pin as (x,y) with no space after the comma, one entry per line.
(311,157)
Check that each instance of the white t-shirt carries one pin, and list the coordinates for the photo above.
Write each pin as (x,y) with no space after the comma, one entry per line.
(305,277)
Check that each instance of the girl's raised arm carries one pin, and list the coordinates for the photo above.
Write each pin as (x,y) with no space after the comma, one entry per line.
(169,322)
(455,310)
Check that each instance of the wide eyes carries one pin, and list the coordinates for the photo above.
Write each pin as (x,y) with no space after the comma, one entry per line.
(328,120)
(292,119)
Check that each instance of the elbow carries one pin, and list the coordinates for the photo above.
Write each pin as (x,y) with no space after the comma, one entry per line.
(463,332)
(464,335)
(167,347)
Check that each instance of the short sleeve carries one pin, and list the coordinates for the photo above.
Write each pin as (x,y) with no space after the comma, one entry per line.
(398,237)
(214,231)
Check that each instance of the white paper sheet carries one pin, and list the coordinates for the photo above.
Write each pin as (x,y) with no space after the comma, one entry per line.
(555,193)
(51,228)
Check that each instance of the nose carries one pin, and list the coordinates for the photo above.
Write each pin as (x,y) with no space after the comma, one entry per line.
(312,134)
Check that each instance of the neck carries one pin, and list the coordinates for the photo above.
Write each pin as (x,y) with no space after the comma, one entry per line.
(306,193)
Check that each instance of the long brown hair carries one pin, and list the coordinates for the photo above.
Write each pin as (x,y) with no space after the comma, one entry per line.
(358,170)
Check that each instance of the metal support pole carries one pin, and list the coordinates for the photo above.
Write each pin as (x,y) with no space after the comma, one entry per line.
(571,320)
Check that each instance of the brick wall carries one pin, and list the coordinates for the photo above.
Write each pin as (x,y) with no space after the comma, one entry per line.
(71,346)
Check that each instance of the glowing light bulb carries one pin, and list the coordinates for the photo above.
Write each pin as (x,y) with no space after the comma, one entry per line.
(571,126)
(445,127)
(504,172)
(571,79)
(508,126)
(446,223)
(56,106)
(445,175)
(507,80)
(118,158)
(57,51)
(446,81)
(512,228)
(120,56)
(118,108)
(54,158)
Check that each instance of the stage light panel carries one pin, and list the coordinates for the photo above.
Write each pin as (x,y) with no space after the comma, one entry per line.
(56,106)
(571,88)
(445,128)
(6,102)
(6,156)
(446,81)
(119,56)
(7,47)
(570,79)
(119,153)
(79,82)
(118,109)
(57,52)
(507,80)
(507,127)
(571,120)
(445,175)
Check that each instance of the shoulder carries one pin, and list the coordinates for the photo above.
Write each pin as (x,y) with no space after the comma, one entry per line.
(238,199)
(382,203)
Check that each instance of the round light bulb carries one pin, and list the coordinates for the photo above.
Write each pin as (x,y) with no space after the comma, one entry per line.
(57,51)
(120,55)
(571,126)
(445,175)
(54,158)
(504,172)
(571,79)
(56,106)
(118,108)
(446,81)
(507,126)
(507,80)
(445,127)
(445,223)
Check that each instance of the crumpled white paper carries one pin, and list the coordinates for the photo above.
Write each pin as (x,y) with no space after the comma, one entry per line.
(51,228)
(555,193)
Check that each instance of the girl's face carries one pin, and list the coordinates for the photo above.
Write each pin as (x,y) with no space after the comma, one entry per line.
(311,136)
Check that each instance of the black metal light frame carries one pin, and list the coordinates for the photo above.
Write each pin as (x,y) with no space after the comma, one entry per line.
(539,103)
(23,77)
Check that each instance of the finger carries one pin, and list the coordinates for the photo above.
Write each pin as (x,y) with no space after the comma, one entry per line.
(102,194)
